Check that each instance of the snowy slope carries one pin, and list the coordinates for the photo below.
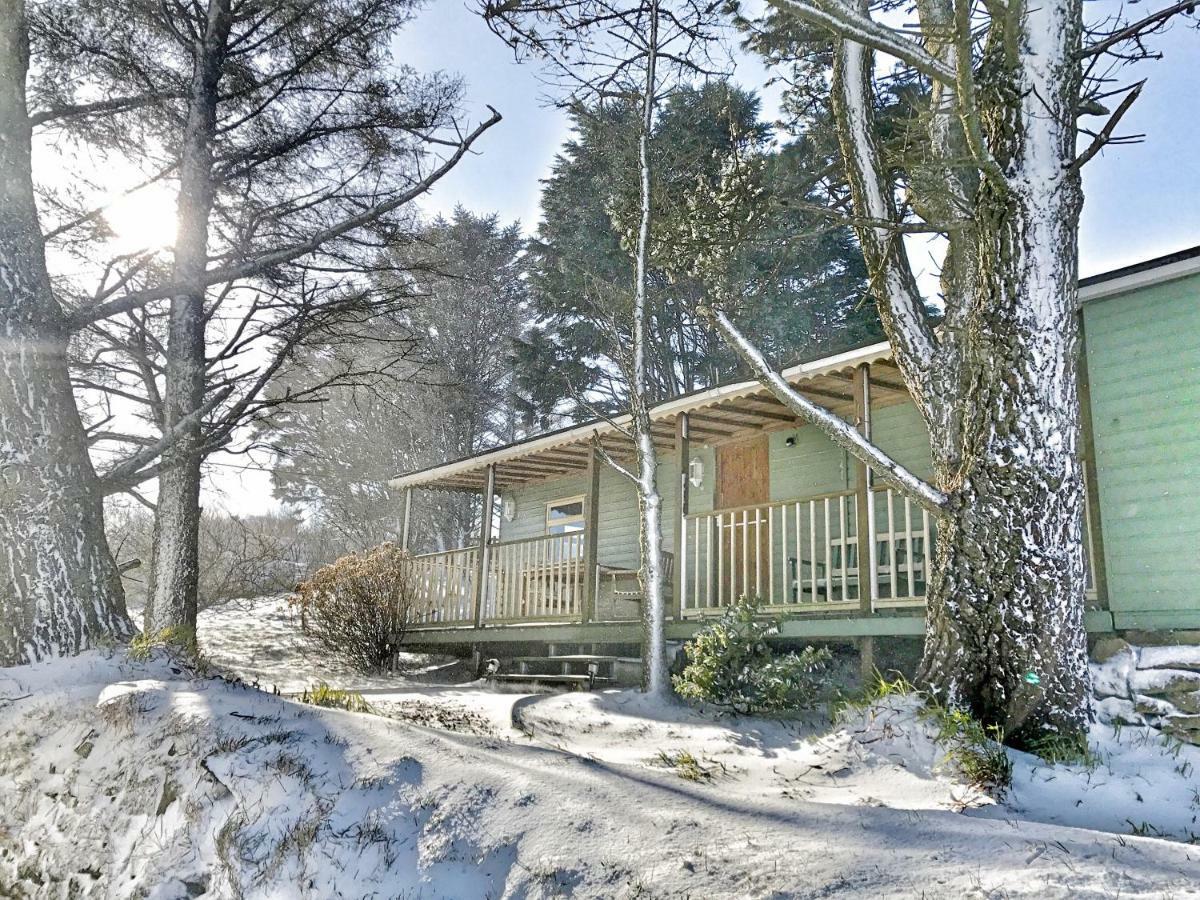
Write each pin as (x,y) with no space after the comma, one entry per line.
(129,779)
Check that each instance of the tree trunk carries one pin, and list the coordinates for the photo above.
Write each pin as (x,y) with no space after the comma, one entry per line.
(59,587)
(174,578)
(1005,634)
(655,678)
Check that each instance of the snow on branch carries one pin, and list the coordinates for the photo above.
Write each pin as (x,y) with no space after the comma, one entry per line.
(901,306)
(839,431)
(852,25)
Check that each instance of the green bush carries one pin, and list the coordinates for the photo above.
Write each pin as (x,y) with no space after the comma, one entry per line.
(731,664)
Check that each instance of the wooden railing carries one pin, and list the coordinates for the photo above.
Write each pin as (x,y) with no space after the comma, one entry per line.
(790,553)
(800,554)
(535,579)
(445,587)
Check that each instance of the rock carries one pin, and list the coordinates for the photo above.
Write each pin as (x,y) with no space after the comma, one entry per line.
(1187,703)
(1186,657)
(1108,647)
(1183,728)
(1111,678)
(1152,706)
(1164,682)
(1118,711)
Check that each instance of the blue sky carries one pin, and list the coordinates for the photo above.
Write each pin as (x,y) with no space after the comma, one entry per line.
(1141,200)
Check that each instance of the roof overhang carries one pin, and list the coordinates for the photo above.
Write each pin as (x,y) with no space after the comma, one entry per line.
(724,413)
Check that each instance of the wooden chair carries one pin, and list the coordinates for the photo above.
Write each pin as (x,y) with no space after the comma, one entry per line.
(634,590)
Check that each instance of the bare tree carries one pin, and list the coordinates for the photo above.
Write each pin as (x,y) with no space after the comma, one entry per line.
(996,171)
(600,51)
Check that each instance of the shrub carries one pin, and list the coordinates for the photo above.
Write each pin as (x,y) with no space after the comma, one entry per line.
(335,698)
(358,607)
(976,749)
(730,664)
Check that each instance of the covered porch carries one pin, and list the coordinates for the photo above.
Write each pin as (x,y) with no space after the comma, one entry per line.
(755,502)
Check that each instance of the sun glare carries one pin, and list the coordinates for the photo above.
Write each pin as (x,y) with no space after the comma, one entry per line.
(144,220)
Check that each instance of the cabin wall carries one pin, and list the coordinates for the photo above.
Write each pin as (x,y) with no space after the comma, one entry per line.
(1143,359)
(813,465)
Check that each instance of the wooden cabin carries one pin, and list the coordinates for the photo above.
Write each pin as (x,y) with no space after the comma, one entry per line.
(757,502)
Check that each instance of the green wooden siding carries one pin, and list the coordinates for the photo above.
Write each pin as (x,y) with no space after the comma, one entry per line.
(812,466)
(1143,353)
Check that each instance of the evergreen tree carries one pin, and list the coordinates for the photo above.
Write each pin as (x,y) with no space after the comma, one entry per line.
(803,277)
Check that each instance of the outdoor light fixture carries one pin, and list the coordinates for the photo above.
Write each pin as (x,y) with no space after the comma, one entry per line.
(696,472)
(790,441)
(508,508)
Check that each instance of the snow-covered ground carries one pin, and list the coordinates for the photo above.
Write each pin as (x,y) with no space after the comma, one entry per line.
(142,779)
(259,640)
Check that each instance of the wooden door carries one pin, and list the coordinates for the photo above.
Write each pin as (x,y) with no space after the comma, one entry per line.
(743,479)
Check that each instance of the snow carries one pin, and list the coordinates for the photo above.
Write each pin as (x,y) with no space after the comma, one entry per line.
(148,779)
(258,639)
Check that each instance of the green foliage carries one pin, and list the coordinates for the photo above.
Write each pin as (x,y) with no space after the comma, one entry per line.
(687,766)
(1056,747)
(880,687)
(801,281)
(177,640)
(977,750)
(335,698)
(731,664)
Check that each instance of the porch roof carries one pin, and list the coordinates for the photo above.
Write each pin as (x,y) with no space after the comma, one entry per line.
(726,412)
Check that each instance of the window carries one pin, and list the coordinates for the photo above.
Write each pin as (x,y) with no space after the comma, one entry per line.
(563,516)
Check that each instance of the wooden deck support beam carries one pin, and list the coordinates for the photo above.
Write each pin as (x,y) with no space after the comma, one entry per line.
(591,537)
(405,519)
(485,537)
(682,490)
(864,523)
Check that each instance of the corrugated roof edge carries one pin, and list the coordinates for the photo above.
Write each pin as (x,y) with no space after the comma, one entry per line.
(693,400)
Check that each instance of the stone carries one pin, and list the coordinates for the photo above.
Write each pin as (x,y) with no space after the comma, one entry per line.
(1108,647)
(1185,657)
(1164,682)
(1187,703)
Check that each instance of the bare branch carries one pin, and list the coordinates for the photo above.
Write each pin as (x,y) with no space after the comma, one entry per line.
(839,431)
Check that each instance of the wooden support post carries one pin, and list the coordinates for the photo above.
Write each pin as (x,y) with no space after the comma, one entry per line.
(485,537)
(866,660)
(1094,533)
(406,518)
(591,537)
(863,523)
(679,545)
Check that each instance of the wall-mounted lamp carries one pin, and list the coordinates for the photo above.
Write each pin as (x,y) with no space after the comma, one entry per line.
(790,441)
(696,472)
(508,508)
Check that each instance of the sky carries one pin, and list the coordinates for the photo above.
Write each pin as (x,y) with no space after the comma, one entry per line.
(1141,199)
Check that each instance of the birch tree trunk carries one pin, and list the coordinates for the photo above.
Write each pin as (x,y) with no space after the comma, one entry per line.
(59,587)
(655,679)
(175,569)
(1005,633)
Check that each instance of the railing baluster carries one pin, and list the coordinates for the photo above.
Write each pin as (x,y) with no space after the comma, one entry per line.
(828,556)
(894,580)
(745,555)
(845,539)
(908,545)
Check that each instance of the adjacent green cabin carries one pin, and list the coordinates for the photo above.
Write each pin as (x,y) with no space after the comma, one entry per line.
(757,502)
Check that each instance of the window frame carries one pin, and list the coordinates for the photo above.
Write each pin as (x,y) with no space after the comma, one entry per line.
(580,521)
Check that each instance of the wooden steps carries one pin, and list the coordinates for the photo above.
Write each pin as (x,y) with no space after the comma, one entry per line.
(586,682)
(580,670)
